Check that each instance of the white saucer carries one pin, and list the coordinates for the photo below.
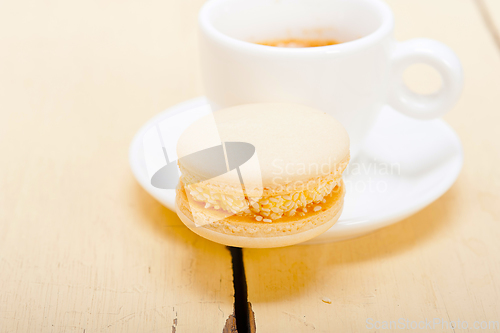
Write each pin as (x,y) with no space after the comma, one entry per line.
(405,165)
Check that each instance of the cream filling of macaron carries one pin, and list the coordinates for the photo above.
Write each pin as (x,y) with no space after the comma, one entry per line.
(270,208)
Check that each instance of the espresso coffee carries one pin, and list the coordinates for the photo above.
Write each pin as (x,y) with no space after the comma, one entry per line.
(298,42)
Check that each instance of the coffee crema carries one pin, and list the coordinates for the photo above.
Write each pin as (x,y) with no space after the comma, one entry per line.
(298,42)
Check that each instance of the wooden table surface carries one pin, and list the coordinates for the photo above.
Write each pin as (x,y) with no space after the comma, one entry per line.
(84,249)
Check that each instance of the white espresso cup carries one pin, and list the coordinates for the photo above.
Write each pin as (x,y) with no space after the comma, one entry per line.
(351,80)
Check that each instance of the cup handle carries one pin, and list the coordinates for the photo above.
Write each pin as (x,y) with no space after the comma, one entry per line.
(436,55)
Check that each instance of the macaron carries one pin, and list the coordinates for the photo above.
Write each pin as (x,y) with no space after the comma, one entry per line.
(262,175)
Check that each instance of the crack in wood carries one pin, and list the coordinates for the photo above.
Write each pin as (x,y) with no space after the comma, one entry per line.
(230,326)
(242,320)
(488,21)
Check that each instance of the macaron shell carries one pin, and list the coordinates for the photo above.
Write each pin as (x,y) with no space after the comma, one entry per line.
(293,143)
(242,231)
